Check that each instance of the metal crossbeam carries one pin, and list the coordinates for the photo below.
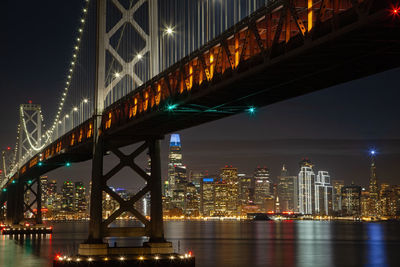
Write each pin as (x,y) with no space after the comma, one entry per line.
(126,205)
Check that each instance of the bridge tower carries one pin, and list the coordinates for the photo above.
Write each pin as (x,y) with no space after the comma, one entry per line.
(29,142)
(30,133)
(98,228)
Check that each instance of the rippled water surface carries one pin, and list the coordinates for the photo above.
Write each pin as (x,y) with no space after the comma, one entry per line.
(232,243)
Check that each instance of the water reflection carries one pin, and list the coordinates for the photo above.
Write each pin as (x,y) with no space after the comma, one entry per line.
(376,245)
(314,243)
(232,243)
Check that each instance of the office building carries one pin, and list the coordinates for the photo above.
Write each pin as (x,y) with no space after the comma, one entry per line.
(262,187)
(80,197)
(337,191)
(287,191)
(176,169)
(351,200)
(323,199)
(374,207)
(244,189)
(207,197)
(306,187)
(192,201)
(67,192)
(229,175)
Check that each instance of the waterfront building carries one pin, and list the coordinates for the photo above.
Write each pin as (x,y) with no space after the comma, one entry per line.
(351,200)
(337,191)
(80,197)
(287,191)
(387,200)
(365,203)
(396,191)
(323,198)
(67,191)
(244,189)
(306,187)
(221,200)
(374,207)
(192,201)
(207,197)
(262,188)
(229,175)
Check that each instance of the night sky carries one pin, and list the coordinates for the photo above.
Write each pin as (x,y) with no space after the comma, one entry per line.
(334,127)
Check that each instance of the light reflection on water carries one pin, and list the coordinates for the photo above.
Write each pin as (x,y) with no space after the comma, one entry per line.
(232,243)
(376,246)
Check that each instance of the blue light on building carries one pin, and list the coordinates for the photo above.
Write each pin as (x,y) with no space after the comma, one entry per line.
(175,140)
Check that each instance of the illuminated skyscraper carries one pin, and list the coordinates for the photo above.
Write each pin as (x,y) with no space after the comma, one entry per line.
(229,176)
(373,188)
(337,191)
(192,200)
(306,187)
(244,189)
(262,187)
(351,200)
(51,193)
(323,199)
(176,169)
(67,196)
(287,191)
(387,200)
(222,198)
(207,197)
(80,197)
(44,188)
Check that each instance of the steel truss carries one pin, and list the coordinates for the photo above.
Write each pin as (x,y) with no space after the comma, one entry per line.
(37,199)
(151,41)
(153,228)
(30,134)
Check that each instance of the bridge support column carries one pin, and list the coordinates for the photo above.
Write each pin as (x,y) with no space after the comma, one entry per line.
(39,219)
(154,228)
(18,215)
(156,212)
(96,196)
(10,204)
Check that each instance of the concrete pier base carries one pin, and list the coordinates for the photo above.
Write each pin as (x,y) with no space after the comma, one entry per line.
(148,248)
(162,260)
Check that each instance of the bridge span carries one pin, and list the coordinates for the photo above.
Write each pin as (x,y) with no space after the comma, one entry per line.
(276,53)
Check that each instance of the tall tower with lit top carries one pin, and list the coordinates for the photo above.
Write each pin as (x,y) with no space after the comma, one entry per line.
(373,187)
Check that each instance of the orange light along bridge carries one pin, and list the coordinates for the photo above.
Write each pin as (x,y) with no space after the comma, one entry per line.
(282,50)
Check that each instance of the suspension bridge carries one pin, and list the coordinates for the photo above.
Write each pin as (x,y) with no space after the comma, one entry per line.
(141,69)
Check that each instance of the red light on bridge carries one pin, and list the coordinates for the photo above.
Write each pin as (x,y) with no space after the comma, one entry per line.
(29,101)
(8,148)
(395,11)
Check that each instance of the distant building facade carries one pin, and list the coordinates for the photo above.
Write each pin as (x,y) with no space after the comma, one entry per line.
(323,200)
(306,187)
(262,188)
(351,200)
(287,191)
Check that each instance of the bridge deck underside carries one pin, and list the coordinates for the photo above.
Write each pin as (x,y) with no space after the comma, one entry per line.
(353,52)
